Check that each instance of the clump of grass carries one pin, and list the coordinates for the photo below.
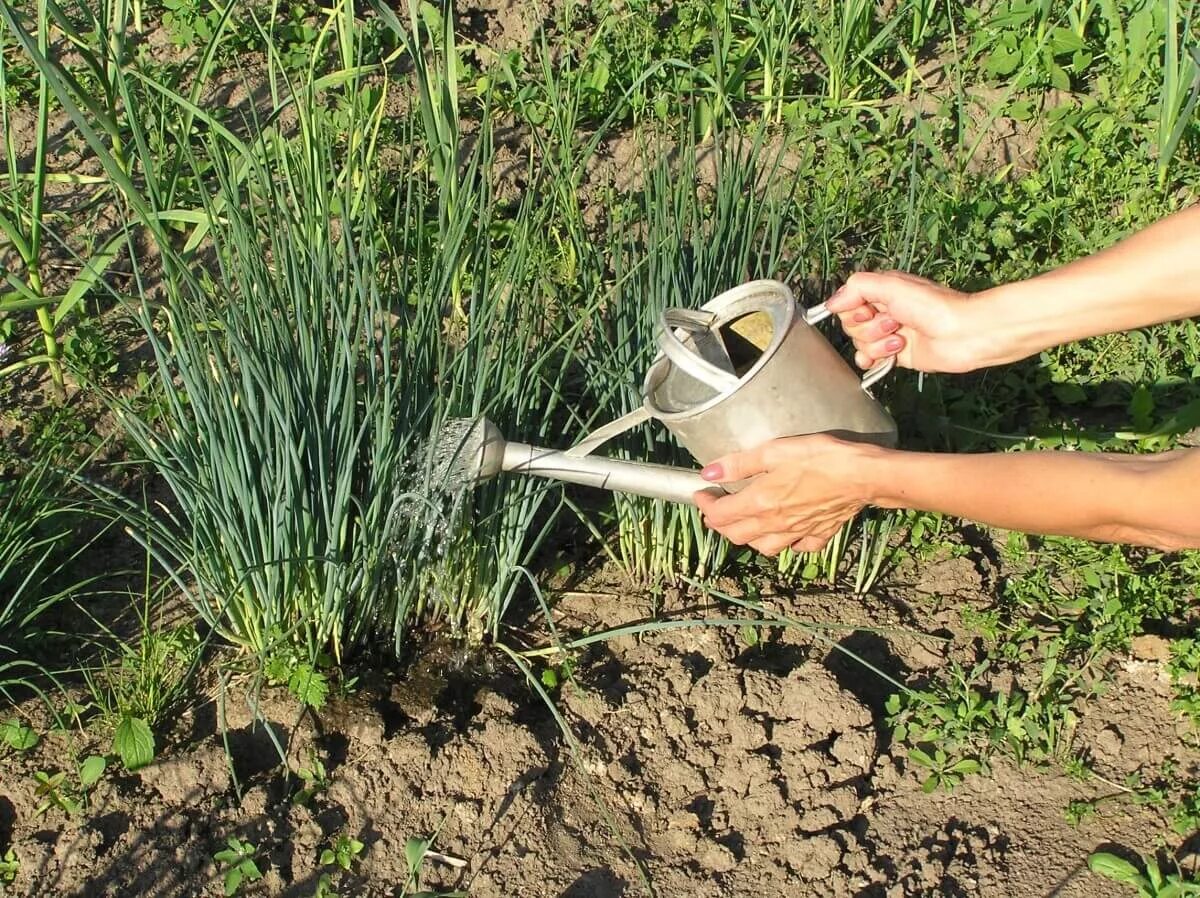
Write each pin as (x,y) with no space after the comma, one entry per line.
(37,546)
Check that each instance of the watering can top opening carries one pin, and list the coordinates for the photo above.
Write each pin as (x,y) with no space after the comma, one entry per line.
(710,353)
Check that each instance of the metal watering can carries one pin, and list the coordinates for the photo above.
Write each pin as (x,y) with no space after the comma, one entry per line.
(747,367)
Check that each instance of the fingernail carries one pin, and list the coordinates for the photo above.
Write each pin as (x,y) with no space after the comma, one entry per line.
(889,324)
(712,472)
(893,344)
(862,315)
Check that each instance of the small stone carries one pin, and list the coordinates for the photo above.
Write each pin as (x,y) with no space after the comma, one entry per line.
(1149,647)
(817,857)
(1109,742)
(717,858)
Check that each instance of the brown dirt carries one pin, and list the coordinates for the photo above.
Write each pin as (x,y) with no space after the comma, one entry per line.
(727,770)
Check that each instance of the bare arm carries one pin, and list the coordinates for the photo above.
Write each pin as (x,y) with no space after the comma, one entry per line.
(1150,277)
(1150,501)
(804,488)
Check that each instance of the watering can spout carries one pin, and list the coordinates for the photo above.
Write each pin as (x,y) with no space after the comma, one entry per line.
(476,450)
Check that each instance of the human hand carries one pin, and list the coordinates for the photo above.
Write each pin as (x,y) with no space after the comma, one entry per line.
(803,489)
(927,326)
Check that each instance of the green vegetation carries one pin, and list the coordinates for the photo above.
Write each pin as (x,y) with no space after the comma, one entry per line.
(1151,884)
(236,863)
(37,547)
(276,301)
(65,792)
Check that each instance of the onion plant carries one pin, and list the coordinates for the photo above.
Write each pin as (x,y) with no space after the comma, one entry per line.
(1180,88)
(23,219)
(774,25)
(37,523)
(306,365)
(675,246)
(842,37)
(119,109)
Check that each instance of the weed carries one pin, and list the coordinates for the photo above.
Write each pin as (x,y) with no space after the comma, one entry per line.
(10,867)
(1078,810)
(91,352)
(141,681)
(17,735)
(1152,883)
(237,865)
(1180,87)
(342,853)
(68,794)
(554,676)
(1184,670)
(416,850)
(303,678)
(314,778)
(23,218)
(37,521)
(944,772)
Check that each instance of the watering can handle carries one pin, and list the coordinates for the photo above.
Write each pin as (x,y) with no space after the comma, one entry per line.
(683,358)
(877,372)
(602,435)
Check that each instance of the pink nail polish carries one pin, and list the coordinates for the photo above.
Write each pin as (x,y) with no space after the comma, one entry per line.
(893,344)
(862,315)
(712,472)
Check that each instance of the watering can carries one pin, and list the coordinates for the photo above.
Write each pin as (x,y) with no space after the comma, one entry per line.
(747,367)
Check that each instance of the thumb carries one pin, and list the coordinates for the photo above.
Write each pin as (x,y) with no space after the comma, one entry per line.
(735,466)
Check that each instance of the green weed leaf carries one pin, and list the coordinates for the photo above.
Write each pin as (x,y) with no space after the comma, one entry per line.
(414,852)
(91,770)
(308,685)
(134,742)
(920,757)
(1115,868)
(18,736)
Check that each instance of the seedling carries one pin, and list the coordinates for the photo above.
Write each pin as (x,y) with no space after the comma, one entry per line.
(303,678)
(342,853)
(555,675)
(944,772)
(17,735)
(415,852)
(237,860)
(314,778)
(133,741)
(56,791)
(10,866)
(1078,810)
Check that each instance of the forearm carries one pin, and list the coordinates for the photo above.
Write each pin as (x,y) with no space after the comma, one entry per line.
(1151,501)
(1150,277)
